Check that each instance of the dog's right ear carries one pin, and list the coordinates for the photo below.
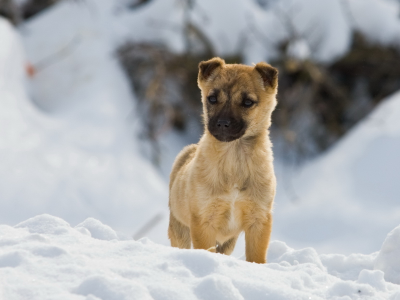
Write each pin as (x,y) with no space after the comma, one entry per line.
(210,67)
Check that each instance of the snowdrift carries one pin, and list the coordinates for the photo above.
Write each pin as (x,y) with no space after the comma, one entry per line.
(76,156)
(348,198)
(45,258)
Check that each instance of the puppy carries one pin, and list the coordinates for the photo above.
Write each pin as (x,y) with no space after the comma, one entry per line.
(226,184)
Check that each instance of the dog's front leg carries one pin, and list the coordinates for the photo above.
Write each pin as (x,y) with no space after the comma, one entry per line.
(257,237)
(202,233)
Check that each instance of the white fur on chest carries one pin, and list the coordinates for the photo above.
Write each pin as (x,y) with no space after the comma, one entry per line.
(233,222)
(232,197)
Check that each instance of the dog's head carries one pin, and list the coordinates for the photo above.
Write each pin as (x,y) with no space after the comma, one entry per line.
(237,100)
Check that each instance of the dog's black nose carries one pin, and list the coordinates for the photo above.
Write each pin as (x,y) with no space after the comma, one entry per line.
(224,123)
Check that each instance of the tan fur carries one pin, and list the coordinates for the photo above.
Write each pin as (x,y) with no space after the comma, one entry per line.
(219,189)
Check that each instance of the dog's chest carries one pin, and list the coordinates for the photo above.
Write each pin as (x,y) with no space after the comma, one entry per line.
(234,194)
(230,217)
(233,197)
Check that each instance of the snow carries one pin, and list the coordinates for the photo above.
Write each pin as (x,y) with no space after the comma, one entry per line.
(96,229)
(322,24)
(379,20)
(11,55)
(320,30)
(299,49)
(347,198)
(76,157)
(388,259)
(46,258)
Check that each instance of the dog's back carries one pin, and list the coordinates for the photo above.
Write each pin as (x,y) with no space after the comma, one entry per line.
(178,233)
(183,158)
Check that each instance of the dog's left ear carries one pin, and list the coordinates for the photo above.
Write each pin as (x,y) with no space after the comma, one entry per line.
(268,73)
(210,67)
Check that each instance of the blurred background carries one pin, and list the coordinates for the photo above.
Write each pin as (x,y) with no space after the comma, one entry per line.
(97,97)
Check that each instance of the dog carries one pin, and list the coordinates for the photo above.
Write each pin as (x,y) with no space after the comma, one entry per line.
(226,184)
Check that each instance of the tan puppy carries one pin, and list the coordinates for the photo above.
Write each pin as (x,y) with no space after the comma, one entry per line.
(226,184)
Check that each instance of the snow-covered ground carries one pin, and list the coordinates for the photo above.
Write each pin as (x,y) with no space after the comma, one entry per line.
(45,258)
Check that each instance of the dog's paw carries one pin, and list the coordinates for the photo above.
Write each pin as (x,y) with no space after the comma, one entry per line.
(212,249)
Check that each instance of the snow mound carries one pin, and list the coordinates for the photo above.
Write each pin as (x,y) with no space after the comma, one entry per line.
(388,259)
(302,256)
(347,199)
(347,267)
(77,156)
(45,224)
(39,262)
(97,229)
(373,278)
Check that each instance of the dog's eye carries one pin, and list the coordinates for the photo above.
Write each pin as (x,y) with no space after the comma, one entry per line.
(248,103)
(212,99)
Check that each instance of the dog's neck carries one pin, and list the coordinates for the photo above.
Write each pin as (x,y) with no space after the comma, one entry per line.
(233,159)
(245,145)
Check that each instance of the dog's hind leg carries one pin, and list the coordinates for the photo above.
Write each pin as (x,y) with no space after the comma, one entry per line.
(178,233)
(228,246)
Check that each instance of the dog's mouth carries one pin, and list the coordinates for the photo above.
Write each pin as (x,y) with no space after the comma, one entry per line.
(226,138)
(227,131)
